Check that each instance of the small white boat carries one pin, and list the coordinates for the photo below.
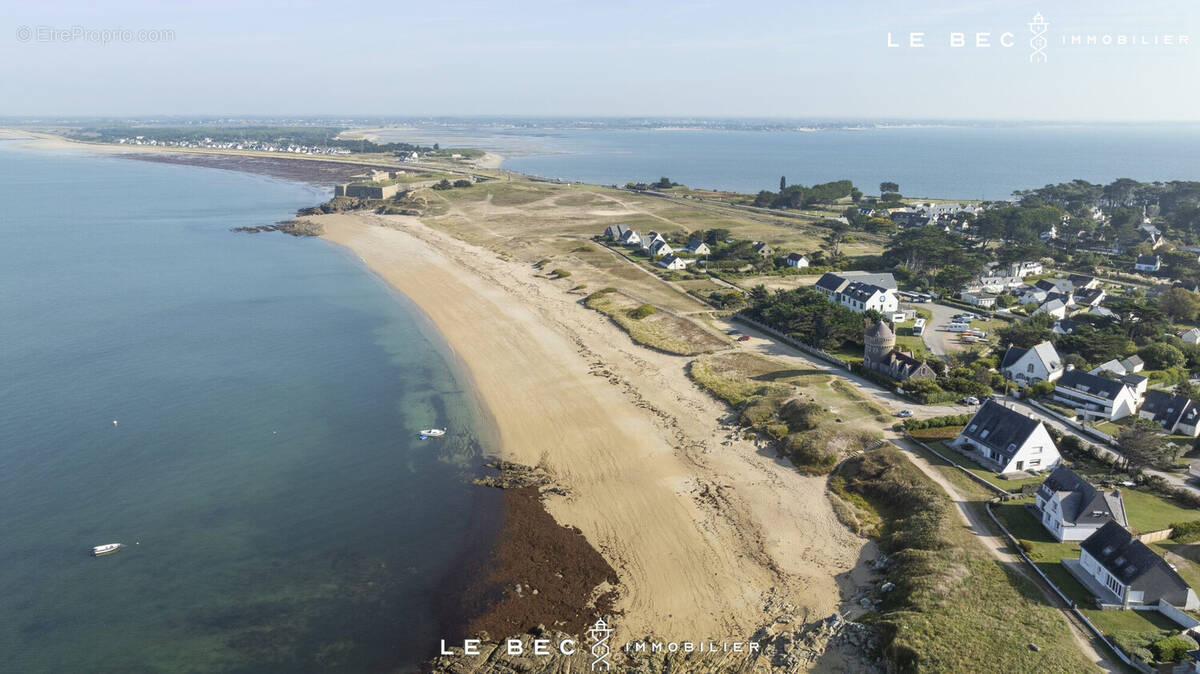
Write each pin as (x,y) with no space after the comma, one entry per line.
(432,433)
(106,549)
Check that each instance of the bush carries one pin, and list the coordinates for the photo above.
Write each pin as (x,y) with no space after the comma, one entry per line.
(801,416)
(642,311)
(1172,648)
(1162,356)
(1041,388)
(560,273)
(463,183)
(1186,532)
(937,422)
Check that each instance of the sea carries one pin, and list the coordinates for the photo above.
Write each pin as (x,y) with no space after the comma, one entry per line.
(239,410)
(933,160)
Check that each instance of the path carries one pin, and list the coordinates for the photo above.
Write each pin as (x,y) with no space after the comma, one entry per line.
(969,511)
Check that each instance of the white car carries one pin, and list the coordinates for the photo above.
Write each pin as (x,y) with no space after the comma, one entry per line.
(904,414)
(970,400)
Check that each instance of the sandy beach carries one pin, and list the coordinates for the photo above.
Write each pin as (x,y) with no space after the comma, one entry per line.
(710,536)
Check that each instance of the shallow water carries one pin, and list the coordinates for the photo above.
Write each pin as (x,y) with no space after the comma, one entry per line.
(278,511)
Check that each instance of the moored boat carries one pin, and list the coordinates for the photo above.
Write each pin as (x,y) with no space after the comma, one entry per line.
(106,549)
(432,433)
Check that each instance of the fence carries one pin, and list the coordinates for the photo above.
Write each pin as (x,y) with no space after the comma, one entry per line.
(954,463)
(1155,536)
(790,341)
(1185,620)
(1137,663)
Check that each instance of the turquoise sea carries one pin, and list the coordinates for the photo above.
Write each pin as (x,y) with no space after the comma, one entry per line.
(944,160)
(278,511)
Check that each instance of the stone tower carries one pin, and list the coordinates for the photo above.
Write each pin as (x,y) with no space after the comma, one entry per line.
(878,342)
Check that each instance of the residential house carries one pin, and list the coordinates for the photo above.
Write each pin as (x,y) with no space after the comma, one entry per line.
(1130,573)
(979,299)
(615,232)
(1177,415)
(1031,295)
(1023,269)
(1049,234)
(661,247)
(1148,263)
(1072,510)
(1056,285)
(763,250)
(672,261)
(650,239)
(698,247)
(796,260)
(1089,297)
(881,355)
(1029,366)
(854,290)
(631,238)
(1008,441)
(995,283)
(1080,281)
(1190,336)
(1133,364)
(1055,307)
(1096,397)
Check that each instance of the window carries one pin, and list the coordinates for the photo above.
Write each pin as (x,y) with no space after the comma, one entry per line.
(984,434)
(1035,462)
(1114,585)
(1029,368)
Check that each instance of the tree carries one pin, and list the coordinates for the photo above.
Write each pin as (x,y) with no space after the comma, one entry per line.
(886,187)
(1161,356)
(782,183)
(1141,443)
(1180,304)
(837,234)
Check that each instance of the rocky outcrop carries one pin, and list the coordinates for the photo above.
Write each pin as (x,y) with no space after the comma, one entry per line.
(292,227)
(517,475)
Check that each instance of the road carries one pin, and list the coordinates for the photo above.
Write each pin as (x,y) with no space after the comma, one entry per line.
(1052,422)
(979,524)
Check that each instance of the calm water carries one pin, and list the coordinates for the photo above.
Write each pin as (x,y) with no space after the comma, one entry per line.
(958,162)
(279,513)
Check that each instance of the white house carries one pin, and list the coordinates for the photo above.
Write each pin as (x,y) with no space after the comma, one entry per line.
(860,291)
(978,299)
(1124,571)
(1148,263)
(1190,336)
(1023,269)
(1056,308)
(1029,366)
(1008,441)
(631,238)
(615,232)
(698,247)
(650,239)
(671,261)
(661,247)
(1177,415)
(1096,397)
(1071,509)
(796,260)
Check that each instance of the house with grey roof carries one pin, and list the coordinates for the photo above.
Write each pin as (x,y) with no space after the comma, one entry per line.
(673,262)
(661,247)
(1007,441)
(1177,415)
(1190,336)
(1055,307)
(1120,569)
(615,232)
(796,260)
(860,291)
(1072,509)
(1030,366)
(1096,397)
(1148,263)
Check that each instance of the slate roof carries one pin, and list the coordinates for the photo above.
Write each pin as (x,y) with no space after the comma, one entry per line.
(1089,296)
(857,290)
(1083,504)
(1000,428)
(831,282)
(1011,356)
(1055,285)
(1129,560)
(1148,260)
(1168,410)
(1090,384)
(880,330)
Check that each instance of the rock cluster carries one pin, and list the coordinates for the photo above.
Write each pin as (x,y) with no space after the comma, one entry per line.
(292,227)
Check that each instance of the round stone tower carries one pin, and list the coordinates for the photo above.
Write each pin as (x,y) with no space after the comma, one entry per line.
(878,342)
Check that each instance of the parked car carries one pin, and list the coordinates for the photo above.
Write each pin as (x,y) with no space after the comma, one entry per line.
(744,338)
(970,400)
(904,414)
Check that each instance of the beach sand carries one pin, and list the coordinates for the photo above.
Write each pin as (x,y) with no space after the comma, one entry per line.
(711,537)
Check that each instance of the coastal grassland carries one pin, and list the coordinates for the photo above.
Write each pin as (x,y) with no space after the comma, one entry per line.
(812,416)
(649,327)
(953,608)
(987,474)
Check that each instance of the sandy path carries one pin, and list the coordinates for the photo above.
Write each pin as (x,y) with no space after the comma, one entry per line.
(982,529)
(698,526)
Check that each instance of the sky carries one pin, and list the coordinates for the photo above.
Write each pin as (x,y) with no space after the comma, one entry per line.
(747,58)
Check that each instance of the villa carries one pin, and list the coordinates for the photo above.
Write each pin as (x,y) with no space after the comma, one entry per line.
(1072,510)
(1123,571)
(1007,441)
(1030,366)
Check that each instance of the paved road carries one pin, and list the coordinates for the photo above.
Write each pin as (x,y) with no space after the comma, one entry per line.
(1053,422)
(978,523)
(937,338)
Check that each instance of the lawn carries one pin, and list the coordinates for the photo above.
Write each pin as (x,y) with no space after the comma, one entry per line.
(1150,512)
(1185,557)
(1042,548)
(989,475)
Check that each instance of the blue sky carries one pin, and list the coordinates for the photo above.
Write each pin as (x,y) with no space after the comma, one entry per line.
(718,58)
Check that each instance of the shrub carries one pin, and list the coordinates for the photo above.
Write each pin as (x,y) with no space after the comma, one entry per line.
(937,422)
(642,311)
(1186,532)
(463,183)
(1042,388)
(560,273)
(1172,648)
(801,416)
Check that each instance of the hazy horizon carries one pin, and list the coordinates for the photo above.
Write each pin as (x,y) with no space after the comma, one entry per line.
(715,60)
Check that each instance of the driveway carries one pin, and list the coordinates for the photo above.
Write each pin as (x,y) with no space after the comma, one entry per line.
(937,338)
